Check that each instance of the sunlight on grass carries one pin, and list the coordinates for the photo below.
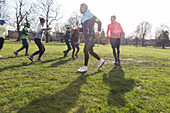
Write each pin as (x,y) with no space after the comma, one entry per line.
(141,84)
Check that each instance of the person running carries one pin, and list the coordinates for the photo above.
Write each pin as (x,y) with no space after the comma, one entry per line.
(3,33)
(88,20)
(67,38)
(38,40)
(24,37)
(115,31)
(75,40)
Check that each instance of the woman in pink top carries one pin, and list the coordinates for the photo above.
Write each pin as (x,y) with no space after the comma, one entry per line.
(115,31)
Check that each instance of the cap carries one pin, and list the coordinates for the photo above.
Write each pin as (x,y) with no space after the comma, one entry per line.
(2,21)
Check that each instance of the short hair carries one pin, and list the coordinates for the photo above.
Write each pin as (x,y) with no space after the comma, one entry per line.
(84,6)
(113,16)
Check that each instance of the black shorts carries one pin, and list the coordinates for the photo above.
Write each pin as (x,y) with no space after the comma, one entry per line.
(89,43)
(115,42)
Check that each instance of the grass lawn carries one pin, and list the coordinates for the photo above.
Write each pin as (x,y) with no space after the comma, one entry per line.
(140,85)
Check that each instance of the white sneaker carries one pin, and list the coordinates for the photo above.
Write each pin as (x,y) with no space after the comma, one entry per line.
(101,63)
(83,69)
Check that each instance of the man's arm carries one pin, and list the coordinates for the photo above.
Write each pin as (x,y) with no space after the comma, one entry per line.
(98,23)
(24,31)
(108,31)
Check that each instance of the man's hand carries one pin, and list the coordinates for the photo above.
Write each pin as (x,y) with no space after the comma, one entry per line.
(97,33)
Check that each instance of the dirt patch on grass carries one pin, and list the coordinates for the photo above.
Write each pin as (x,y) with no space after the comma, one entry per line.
(126,61)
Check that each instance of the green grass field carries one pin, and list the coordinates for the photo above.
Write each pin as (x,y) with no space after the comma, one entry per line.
(140,85)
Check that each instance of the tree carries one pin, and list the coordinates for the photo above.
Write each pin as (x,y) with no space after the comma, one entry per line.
(59,30)
(22,9)
(50,10)
(74,20)
(143,30)
(162,35)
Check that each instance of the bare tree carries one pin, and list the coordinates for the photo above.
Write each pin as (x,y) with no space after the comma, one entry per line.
(50,10)
(74,20)
(143,30)
(60,29)
(16,17)
(162,35)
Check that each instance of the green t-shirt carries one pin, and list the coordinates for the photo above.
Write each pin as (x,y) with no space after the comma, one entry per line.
(25,33)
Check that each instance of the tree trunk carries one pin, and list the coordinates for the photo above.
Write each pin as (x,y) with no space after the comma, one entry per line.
(46,35)
(19,36)
(143,40)
(163,47)
(136,42)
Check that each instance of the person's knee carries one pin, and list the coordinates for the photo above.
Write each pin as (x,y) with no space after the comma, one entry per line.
(91,51)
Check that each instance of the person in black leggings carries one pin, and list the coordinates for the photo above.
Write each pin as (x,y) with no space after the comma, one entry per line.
(38,40)
(116,32)
(88,20)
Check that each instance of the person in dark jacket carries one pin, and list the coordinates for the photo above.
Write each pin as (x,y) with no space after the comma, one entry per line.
(67,38)
(88,20)
(75,39)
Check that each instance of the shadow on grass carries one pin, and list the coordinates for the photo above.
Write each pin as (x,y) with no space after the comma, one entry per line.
(119,86)
(27,64)
(61,102)
(60,62)
(12,57)
(16,66)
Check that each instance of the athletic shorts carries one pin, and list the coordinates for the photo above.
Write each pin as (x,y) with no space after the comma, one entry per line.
(115,42)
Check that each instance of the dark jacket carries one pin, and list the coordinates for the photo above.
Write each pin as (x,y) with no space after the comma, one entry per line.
(88,26)
(67,36)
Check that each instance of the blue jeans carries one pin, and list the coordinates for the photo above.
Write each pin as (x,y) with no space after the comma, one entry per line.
(68,48)
(25,45)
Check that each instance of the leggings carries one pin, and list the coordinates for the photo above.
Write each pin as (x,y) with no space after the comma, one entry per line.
(25,45)
(88,48)
(40,46)
(115,43)
(1,43)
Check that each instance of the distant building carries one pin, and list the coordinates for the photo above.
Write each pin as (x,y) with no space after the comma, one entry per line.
(2,8)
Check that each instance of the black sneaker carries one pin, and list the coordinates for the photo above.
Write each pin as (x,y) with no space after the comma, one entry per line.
(16,53)
(26,54)
(30,58)
(76,56)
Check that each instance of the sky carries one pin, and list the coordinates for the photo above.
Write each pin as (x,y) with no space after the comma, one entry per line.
(129,13)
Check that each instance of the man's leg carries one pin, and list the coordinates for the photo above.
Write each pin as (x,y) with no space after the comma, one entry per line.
(112,42)
(68,49)
(73,46)
(118,49)
(78,48)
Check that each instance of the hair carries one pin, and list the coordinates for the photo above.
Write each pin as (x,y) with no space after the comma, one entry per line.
(84,6)
(113,16)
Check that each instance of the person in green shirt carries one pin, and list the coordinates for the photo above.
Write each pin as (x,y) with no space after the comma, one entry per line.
(24,37)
